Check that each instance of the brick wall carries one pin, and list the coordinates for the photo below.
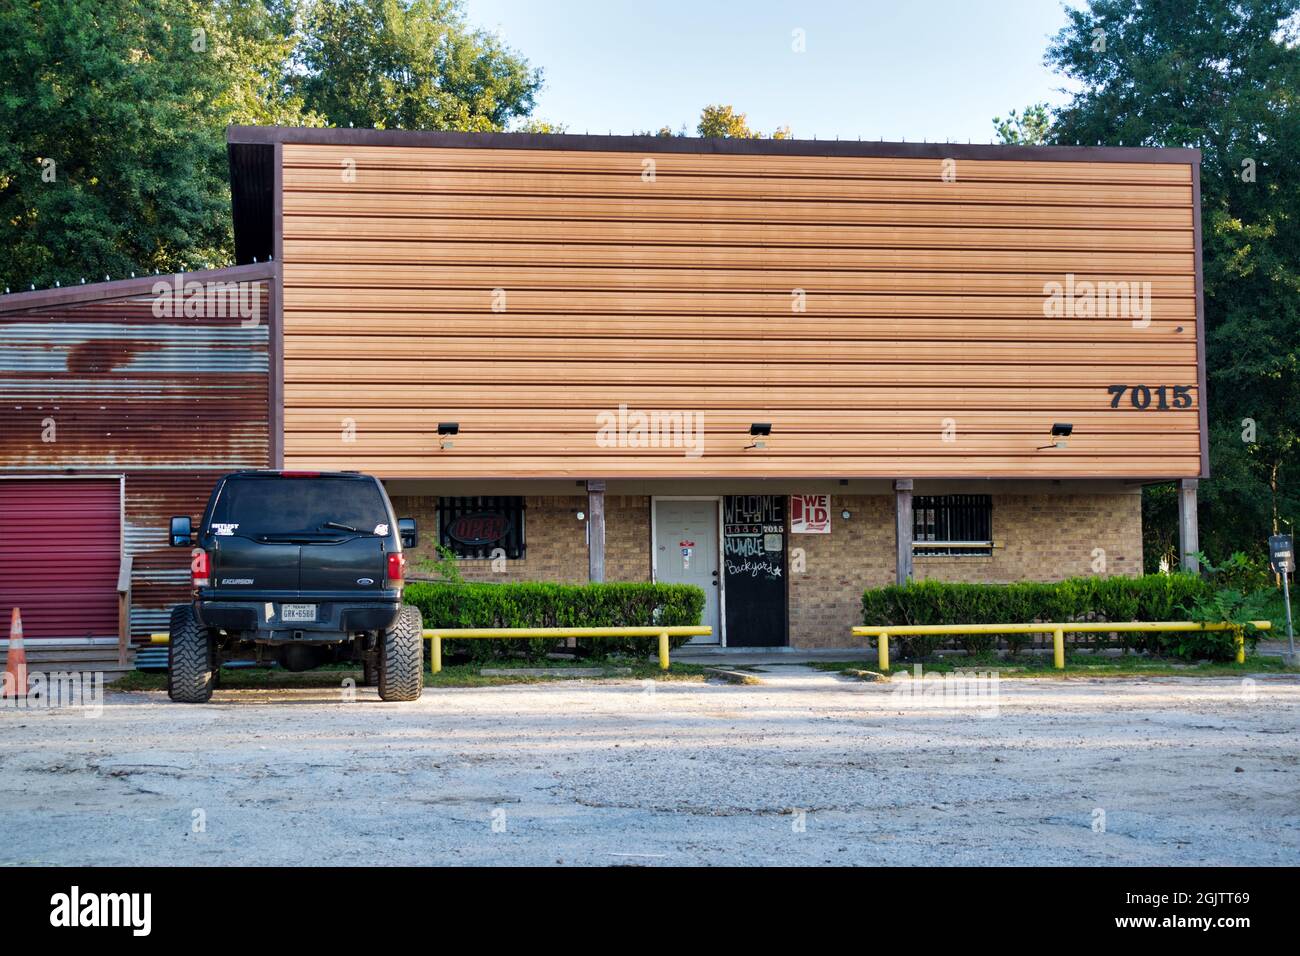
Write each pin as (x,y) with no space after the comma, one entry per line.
(1042,538)
(555,541)
(627,537)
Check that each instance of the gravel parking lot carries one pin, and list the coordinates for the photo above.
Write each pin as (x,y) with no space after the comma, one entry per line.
(807,768)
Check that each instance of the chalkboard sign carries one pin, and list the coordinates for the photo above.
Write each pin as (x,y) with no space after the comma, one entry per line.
(754,565)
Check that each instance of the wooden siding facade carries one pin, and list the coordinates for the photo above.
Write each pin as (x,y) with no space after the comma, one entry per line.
(887,314)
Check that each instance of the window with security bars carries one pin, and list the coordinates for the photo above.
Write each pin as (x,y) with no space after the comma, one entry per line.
(952,524)
(475,527)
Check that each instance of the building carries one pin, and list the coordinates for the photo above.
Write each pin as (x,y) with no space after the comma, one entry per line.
(782,370)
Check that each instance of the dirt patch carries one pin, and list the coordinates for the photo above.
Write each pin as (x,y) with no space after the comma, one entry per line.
(806,768)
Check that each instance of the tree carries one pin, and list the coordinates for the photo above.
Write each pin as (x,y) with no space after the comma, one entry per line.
(409,64)
(532,125)
(1224,76)
(1033,127)
(255,43)
(110,161)
(724,121)
(114,112)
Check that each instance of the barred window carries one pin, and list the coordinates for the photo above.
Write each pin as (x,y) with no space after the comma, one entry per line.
(956,524)
(476,527)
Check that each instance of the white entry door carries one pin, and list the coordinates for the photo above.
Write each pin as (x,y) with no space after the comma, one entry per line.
(686,552)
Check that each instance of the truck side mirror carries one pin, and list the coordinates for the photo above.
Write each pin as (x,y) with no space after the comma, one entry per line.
(181,532)
(406,530)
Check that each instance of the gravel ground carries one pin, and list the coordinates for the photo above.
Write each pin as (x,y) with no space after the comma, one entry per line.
(617,773)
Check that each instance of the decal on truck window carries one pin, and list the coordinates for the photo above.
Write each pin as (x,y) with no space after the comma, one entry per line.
(223,529)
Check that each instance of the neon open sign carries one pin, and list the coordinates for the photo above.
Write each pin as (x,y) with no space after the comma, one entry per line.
(478,529)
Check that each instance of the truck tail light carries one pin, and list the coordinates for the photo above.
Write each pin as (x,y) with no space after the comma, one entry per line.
(200,568)
(396,568)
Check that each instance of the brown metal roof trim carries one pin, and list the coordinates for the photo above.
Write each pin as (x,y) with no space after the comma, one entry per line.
(689,144)
(124,288)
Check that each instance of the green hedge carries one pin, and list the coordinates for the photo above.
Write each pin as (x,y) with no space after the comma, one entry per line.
(1156,597)
(538,604)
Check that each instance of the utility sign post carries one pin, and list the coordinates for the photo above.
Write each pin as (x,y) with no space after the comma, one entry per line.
(1281,555)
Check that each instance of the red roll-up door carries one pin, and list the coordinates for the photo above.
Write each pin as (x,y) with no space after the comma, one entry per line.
(60,550)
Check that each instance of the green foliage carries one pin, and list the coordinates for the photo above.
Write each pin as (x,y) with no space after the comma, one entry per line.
(1157,597)
(130,100)
(1239,595)
(537,604)
(254,43)
(446,566)
(723,121)
(114,96)
(1032,127)
(1222,76)
(410,64)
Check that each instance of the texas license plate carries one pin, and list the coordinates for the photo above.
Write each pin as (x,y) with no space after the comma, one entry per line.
(297,612)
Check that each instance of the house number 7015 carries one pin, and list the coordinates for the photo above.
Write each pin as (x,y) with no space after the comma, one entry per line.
(1142,396)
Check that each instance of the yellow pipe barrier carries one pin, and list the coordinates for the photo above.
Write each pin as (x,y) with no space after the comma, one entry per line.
(436,636)
(882,633)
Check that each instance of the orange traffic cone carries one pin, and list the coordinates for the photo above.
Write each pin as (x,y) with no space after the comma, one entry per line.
(14,683)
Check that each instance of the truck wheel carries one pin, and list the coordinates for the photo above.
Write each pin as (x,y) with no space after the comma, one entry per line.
(401,658)
(190,671)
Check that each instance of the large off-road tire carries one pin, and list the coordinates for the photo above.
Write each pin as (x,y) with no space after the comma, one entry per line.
(191,670)
(401,657)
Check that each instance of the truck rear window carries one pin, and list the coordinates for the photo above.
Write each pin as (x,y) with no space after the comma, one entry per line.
(257,506)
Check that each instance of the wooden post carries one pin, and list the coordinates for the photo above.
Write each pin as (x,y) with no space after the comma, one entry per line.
(1187,531)
(124,610)
(595,531)
(903,528)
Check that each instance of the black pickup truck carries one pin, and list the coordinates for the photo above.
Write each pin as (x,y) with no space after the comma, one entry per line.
(301,567)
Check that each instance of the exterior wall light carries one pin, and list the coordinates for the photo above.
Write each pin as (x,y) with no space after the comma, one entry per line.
(1060,432)
(445,430)
(756,431)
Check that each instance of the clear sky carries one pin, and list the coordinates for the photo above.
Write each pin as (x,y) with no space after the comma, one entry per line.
(910,69)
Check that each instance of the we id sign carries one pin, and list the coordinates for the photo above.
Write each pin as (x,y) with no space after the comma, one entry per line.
(810,514)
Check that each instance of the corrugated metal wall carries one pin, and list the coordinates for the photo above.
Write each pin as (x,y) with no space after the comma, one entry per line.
(169,394)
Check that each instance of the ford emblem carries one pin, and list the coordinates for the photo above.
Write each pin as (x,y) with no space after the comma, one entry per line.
(365,581)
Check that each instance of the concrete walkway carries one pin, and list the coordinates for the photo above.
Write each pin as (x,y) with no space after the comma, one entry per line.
(713,656)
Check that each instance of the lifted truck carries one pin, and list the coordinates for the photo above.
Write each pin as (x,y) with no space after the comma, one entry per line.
(301,567)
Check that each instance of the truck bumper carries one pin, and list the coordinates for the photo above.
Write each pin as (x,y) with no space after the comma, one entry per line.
(335,620)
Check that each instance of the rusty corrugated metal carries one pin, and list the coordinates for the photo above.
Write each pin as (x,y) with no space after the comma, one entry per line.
(110,385)
(160,573)
(171,401)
